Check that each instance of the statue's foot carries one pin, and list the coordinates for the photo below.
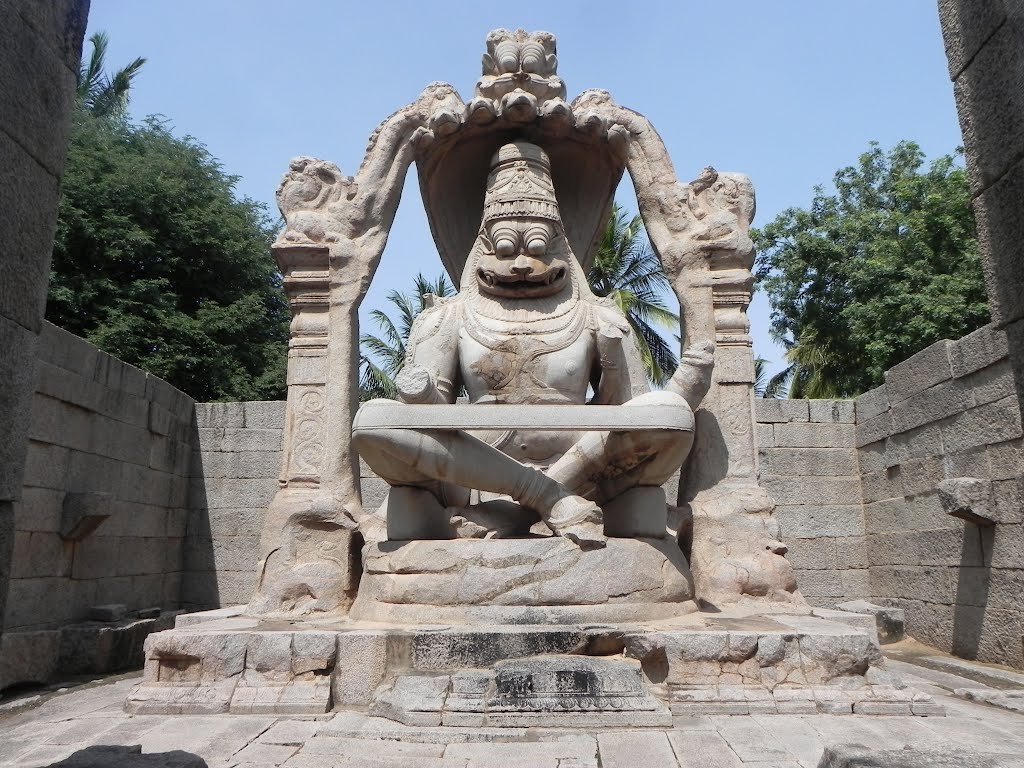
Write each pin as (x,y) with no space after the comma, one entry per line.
(578,520)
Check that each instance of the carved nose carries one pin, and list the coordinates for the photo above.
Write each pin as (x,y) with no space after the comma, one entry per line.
(521,266)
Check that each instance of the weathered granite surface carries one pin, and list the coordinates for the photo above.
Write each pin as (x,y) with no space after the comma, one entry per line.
(523,580)
(103,512)
(941,462)
(700,663)
(49,728)
(859,756)
(40,50)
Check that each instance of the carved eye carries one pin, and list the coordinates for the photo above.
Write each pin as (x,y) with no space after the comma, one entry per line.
(504,247)
(507,54)
(537,247)
(533,58)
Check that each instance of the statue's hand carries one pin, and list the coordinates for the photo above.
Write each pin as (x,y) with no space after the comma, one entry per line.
(415,385)
(701,355)
(692,378)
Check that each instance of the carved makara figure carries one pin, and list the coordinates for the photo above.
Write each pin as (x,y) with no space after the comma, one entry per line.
(525,330)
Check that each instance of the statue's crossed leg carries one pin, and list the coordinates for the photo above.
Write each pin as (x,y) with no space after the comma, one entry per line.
(598,467)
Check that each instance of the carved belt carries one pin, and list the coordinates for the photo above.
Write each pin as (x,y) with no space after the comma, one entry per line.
(537,418)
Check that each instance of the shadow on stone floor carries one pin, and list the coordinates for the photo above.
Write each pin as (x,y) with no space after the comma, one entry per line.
(109,756)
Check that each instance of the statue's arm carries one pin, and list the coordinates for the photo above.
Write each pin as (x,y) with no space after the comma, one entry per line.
(687,223)
(430,373)
(622,375)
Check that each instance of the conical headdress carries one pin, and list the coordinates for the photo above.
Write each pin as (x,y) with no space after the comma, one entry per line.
(519,184)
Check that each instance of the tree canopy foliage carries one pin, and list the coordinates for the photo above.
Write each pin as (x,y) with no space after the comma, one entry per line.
(101,93)
(158,263)
(873,273)
(156,260)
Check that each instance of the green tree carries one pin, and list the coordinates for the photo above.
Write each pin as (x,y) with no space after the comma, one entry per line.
(381,357)
(627,271)
(873,273)
(765,386)
(157,262)
(100,93)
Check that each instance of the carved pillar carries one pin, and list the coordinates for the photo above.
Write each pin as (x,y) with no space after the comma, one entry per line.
(306,564)
(726,448)
(307,284)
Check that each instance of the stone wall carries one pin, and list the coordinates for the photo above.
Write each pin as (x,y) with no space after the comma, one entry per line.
(104,502)
(808,463)
(984,42)
(40,47)
(948,412)
(235,470)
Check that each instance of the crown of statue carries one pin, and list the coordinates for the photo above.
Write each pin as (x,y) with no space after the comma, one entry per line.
(519,184)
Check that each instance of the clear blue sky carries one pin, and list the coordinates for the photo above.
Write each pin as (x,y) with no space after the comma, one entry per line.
(786,91)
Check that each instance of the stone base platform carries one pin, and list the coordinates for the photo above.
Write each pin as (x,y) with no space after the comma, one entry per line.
(519,676)
(542,580)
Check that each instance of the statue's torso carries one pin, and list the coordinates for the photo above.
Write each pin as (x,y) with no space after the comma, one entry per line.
(538,368)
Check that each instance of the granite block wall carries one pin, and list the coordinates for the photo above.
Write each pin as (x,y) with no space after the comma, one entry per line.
(984,42)
(235,469)
(808,463)
(950,411)
(104,502)
(40,47)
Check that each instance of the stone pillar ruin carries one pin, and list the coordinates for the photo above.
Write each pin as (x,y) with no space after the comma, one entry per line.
(40,48)
(984,40)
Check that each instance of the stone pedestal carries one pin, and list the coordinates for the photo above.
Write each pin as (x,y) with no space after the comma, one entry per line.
(570,675)
(522,581)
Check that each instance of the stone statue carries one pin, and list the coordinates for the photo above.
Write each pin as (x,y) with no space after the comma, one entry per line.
(525,330)
(525,568)
(561,433)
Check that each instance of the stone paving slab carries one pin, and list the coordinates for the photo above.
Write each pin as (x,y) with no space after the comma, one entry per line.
(66,723)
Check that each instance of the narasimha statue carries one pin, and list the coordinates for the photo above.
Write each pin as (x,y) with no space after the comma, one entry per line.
(525,330)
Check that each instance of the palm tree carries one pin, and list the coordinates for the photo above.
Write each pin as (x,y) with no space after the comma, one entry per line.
(808,373)
(381,357)
(628,271)
(760,372)
(98,93)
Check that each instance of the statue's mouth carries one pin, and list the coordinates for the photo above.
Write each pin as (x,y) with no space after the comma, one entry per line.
(546,283)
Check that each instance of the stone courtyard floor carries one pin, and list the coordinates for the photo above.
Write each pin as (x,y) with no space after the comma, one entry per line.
(45,730)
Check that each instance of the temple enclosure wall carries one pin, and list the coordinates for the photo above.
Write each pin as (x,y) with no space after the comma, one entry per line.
(948,415)
(103,509)
(40,49)
(808,463)
(234,479)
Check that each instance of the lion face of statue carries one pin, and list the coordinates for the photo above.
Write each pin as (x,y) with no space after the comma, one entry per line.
(523,258)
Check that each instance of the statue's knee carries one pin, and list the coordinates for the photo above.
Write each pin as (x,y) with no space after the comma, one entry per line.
(372,442)
(661,397)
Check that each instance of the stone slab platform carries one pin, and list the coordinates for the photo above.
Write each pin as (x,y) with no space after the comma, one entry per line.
(544,580)
(38,731)
(697,664)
